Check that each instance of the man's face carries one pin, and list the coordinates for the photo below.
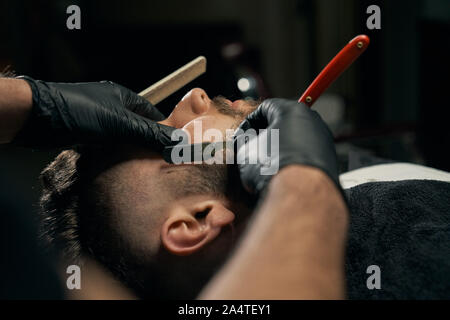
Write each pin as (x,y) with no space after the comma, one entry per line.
(142,191)
(218,113)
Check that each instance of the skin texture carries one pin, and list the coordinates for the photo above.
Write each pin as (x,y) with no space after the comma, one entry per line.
(146,184)
(141,173)
(167,212)
(293,249)
(97,284)
(197,106)
(299,226)
(296,240)
(157,203)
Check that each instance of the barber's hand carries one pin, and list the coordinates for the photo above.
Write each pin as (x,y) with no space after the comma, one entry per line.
(64,114)
(304,139)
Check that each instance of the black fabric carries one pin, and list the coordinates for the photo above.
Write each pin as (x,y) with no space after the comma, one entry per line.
(404,228)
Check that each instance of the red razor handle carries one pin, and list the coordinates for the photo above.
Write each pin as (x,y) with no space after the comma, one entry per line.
(334,68)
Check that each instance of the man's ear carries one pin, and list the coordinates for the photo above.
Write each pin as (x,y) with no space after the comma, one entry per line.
(190,226)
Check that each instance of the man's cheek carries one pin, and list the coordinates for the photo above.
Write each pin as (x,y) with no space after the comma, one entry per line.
(197,127)
(179,118)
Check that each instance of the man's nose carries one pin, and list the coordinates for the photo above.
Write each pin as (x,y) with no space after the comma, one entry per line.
(200,101)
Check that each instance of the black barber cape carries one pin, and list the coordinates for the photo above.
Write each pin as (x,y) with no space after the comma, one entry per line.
(403,228)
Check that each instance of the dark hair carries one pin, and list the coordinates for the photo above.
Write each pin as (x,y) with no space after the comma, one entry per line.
(74,217)
(71,207)
(60,205)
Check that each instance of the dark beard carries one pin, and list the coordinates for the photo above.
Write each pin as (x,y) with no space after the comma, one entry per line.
(224,108)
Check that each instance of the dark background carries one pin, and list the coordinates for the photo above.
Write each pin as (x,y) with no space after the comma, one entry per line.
(391,103)
(393,100)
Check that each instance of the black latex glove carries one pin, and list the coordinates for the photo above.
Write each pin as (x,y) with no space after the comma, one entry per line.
(65,114)
(303,139)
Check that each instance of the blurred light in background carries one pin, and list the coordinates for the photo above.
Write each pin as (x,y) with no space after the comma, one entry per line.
(244,84)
